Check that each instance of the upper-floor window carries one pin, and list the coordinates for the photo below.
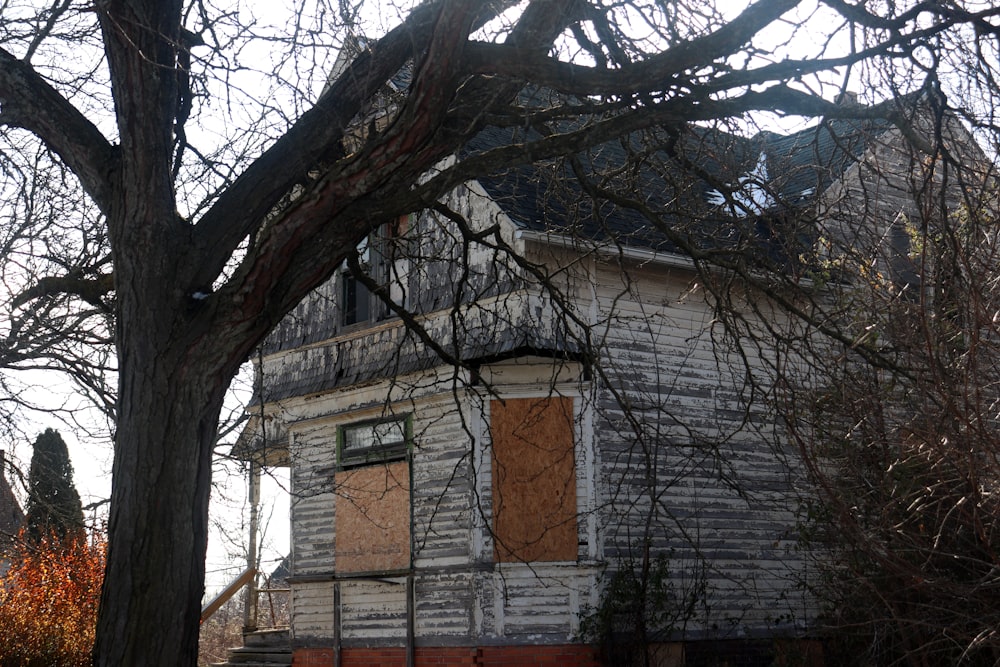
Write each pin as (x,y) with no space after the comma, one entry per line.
(355,299)
(373,441)
(383,258)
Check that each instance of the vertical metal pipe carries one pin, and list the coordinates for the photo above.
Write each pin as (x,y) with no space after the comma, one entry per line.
(250,607)
(411,620)
(337,629)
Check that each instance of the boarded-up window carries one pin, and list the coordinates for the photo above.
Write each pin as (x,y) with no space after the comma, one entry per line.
(534,479)
(373,518)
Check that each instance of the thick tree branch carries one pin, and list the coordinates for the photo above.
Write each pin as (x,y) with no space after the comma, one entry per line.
(629,77)
(91,290)
(313,140)
(672,112)
(296,252)
(27,101)
(857,13)
(142,40)
(673,67)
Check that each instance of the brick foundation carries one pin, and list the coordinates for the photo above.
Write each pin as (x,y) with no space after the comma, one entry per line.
(570,655)
(784,653)
(574,655)
(312,657)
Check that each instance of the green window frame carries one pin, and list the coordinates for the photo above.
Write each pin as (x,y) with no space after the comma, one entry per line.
(374,441)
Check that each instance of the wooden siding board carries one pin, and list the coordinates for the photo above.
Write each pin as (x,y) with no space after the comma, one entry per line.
(372,609)
(444,605)
(665,362)
(312,610)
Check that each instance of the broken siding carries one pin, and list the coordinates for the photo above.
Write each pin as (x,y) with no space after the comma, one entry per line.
(534,602)
(444,605)
(690,467)
(372,610)
(493,328)
(442,270)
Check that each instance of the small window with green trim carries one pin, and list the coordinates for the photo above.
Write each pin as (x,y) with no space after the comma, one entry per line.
(373,441)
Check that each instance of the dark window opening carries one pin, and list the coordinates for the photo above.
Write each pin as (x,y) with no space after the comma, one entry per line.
(356,299)
(382,258)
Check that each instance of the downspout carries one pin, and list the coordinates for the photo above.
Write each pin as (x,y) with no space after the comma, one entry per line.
(410,620)
(338,644)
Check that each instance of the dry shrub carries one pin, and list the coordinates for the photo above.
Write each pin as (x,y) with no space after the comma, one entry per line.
(48,602)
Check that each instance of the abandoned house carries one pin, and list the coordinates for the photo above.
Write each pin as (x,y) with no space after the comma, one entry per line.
(519,431)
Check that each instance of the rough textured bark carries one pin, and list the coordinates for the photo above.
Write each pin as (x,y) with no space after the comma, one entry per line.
(155,577)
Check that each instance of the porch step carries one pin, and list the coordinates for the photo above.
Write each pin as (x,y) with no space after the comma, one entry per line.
(265,648)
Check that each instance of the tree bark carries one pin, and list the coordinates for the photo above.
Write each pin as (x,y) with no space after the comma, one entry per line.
(169,405)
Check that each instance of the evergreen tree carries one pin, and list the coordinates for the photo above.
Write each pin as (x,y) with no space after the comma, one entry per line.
(53,502)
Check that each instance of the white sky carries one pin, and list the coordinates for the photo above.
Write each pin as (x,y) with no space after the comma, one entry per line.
(92,459)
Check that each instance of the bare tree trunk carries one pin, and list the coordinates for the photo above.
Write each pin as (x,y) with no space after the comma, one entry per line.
(171,385)
(159,513)
(150,605)
(172,380)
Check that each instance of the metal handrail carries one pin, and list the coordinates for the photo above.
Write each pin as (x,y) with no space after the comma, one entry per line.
(227,593)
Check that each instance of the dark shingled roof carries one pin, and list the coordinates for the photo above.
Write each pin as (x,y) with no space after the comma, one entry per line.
(676,177)
(674,174)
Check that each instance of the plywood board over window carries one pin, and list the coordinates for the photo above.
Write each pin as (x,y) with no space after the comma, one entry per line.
(534,479)
(373,518)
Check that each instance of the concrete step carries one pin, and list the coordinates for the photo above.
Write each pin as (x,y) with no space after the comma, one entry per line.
(269,637)
(264,648)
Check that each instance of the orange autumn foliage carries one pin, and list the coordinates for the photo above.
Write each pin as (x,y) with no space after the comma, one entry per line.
(48,602)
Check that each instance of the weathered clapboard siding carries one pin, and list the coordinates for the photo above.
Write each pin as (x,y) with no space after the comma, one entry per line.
(447,519)
(444,604)
(659,354)
(443,502)
(311,507)
(312,613)
(690,462)
(441,505)
(536,602)
(372,609)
